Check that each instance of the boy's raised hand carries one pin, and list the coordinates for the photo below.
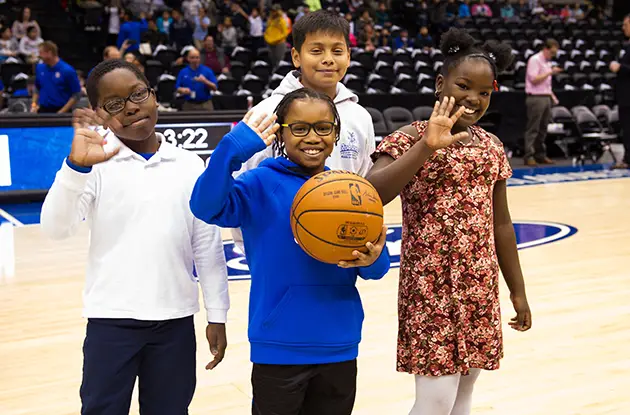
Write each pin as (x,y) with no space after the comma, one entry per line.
(87,144)
(265,126)
(374,251)
(438,134)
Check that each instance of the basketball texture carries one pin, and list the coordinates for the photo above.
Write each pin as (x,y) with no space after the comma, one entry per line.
(335,213)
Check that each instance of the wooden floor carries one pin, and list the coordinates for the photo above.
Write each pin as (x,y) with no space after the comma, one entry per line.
(575,360)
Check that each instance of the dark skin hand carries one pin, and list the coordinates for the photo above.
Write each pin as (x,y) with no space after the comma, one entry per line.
(217,341)
(389,177)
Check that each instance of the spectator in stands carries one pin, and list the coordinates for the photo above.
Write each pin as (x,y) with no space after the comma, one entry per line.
(239,18)
(276,35)
(196,83)
(303,10)
(424,39)
(364,20)
(229,36)
(190,8)
(181,33)
(437,17)
(153,36)
(622,92)
(481,9)
(367,39)
(8,45)
(114,10)
(21,26)
(29,46)
(214,57)
(313,5)
(164,22)
(112,52)
(382,17)
(202,23)
(256,29)
(523,11)
(132,31)
(452,10)
(133,58)
(403,40)
(540,98)
(383,39)
(350,20)
(507,11)
(57,84)
(464,9)
(577,13)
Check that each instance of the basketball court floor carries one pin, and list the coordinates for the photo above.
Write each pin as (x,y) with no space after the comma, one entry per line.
(573,231)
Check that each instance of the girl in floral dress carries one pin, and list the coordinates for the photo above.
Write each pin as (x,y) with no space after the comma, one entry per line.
(457,232)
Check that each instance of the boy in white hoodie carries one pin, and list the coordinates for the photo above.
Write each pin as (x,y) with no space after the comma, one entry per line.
(321,52)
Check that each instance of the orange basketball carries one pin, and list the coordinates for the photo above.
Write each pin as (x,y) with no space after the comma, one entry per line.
(335,213)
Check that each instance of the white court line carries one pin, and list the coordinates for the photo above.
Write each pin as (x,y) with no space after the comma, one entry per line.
(10,218)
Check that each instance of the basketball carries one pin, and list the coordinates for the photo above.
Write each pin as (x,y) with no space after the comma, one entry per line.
(334,213)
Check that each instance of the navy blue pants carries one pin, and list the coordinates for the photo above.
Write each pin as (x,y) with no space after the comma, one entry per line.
(161,354)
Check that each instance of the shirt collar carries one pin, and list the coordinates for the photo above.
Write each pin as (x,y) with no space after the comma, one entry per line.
(166,152)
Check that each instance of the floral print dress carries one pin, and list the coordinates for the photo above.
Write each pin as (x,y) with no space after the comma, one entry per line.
(448,305)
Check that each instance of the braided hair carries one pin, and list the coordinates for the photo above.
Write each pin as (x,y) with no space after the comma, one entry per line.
(458,45)
(282,111)
(104,68)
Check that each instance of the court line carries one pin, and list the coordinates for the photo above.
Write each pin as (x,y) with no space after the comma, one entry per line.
(10,218)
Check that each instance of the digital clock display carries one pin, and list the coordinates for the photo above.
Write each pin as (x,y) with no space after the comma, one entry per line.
(200,138)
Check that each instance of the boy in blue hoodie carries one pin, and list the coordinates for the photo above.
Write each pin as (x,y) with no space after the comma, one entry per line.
(305,316)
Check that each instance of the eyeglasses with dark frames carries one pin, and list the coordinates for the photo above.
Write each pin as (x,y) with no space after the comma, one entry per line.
(302,129)
(114,106)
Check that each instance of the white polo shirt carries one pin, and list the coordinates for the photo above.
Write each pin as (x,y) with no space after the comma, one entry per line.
(143,237)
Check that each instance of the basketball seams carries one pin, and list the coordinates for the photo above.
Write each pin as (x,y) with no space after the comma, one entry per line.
(328,242)
(353,179)
(337,210)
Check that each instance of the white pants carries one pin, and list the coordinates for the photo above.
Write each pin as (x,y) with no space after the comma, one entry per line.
(444,395)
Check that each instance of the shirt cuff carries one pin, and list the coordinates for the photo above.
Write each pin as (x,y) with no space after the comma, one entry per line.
(216,315)
(71,178)
(80,169)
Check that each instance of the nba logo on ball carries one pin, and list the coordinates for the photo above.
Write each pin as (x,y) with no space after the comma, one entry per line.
(528,235)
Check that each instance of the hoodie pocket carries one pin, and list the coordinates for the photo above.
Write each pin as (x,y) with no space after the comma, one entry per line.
(314,315)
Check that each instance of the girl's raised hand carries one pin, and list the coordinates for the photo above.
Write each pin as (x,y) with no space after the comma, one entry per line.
(265,126)
(438,134)
(87,144)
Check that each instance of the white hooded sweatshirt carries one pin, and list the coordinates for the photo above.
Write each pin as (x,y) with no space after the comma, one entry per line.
(356,140)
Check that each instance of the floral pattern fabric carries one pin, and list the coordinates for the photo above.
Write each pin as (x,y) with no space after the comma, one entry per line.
(448,305)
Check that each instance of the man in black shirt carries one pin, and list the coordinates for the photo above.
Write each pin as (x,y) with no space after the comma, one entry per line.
(622,92)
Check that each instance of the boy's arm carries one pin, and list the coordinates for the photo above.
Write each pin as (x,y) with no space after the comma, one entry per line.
(211,270)
(69,201)
(217,198)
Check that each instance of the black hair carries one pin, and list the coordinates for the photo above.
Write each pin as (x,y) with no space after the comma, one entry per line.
(282,110)
(31,29)
(320,21)
(104,68)
(458,45)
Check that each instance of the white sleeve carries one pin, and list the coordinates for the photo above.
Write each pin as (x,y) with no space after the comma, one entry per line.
(368,149)
(211,270)
(69,201)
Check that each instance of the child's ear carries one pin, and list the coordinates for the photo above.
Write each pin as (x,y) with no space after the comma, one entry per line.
(439,84)
(295,57)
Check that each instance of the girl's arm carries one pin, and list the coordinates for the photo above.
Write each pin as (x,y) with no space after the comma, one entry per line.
(505,241)
(217,198)
(389,176)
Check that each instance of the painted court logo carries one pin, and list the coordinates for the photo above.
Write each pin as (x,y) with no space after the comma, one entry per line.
(528,235)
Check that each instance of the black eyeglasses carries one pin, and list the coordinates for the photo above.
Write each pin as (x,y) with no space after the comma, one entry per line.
(114,106)
(302,129)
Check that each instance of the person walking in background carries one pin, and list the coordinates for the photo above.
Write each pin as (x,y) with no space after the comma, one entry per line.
(276,35)
(622,93)
(540,98)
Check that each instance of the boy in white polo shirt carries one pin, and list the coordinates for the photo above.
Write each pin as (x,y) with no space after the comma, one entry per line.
(140,296)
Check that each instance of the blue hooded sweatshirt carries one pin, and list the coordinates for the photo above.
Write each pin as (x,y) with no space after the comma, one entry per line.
(301,311)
